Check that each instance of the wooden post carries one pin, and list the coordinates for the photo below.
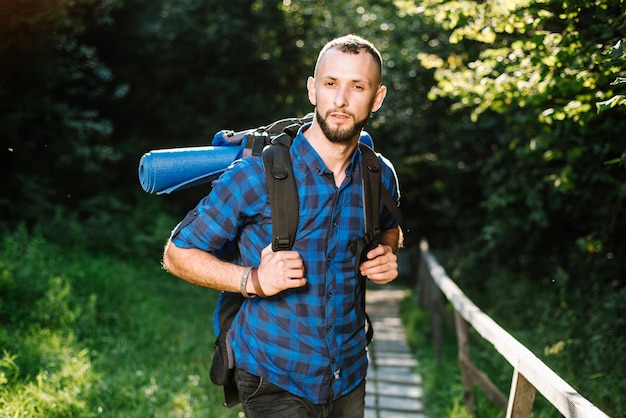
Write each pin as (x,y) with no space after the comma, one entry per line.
(415,260)
(423,279)
(435,318)
(521,398)
(462,338)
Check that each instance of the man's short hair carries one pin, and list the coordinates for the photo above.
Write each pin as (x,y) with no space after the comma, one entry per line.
(353,44)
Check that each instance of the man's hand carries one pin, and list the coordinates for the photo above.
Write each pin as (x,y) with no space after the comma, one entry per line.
(381,266)
(280,270)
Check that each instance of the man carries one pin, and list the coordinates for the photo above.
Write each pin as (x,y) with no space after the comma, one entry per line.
(300,345)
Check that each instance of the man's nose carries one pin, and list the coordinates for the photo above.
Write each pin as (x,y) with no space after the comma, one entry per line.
(341,98)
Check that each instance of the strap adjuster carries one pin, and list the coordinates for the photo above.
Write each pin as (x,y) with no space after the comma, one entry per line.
(281,244)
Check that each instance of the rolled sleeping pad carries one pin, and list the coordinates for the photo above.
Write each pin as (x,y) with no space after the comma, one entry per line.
(167,170)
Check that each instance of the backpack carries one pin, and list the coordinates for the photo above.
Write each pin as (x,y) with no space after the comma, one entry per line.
(272,143)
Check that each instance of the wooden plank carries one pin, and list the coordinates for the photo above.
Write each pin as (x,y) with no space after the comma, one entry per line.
(435,320)
(464,358)
(487,386)
(558,392)
(521,398)
(423,278)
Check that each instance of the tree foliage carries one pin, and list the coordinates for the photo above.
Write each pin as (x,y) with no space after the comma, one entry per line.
(543,80)
(52,130)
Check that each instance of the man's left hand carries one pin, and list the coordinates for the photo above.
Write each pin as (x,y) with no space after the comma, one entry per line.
(381,266)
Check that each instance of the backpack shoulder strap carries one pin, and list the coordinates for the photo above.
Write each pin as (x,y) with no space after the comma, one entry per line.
(282,189)
(371,178)
(371,190)
(371,186)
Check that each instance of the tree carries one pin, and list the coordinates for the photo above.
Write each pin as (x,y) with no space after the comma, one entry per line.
(51,129)
(551,177)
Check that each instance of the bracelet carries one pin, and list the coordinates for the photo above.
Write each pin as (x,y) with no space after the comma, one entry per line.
(244,282)
(256,284)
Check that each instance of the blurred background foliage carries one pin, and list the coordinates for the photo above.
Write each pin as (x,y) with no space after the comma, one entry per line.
(505,121)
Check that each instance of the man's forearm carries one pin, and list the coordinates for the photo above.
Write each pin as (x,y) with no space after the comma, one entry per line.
(202,268)
(392,238)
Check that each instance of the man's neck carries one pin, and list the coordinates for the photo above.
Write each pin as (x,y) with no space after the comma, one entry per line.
(336,156)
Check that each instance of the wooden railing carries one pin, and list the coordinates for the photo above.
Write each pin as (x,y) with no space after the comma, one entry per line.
(530,374)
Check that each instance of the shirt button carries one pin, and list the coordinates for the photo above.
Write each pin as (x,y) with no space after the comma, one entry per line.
(330,295)
(328,328)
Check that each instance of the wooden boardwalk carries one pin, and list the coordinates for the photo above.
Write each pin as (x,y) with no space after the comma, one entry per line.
(393,388)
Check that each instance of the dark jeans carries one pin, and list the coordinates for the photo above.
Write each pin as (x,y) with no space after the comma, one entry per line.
(262,399)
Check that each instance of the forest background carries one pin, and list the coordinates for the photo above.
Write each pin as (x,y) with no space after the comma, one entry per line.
(505,121)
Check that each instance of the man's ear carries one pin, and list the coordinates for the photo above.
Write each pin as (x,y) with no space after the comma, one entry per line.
(310,86)
(379,98)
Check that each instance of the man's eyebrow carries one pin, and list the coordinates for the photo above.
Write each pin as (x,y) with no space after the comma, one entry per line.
(355,80)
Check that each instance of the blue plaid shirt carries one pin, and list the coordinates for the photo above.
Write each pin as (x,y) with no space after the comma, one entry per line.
(309,339)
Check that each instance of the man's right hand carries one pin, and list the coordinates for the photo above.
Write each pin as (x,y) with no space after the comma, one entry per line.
(280,270)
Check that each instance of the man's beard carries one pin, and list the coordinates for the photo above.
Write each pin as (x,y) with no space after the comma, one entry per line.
(339,135)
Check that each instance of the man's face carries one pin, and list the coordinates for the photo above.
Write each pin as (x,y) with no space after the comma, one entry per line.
(345,90)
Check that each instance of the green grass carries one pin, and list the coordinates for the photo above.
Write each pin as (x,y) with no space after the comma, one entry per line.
(89,335)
